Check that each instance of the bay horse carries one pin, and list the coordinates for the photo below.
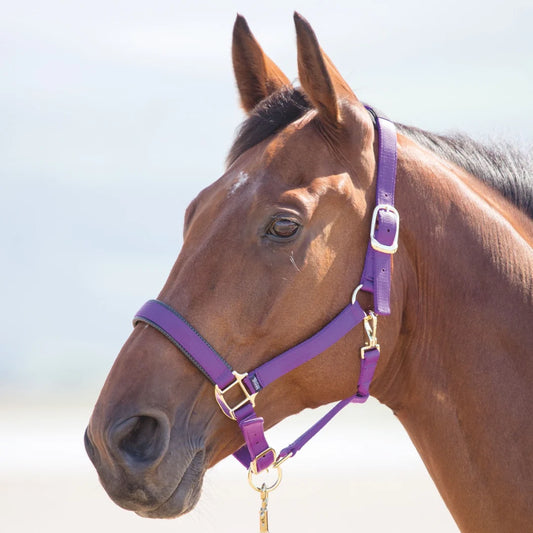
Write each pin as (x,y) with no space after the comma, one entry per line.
(272,251)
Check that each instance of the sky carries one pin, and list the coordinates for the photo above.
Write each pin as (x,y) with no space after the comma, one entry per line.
(116,114)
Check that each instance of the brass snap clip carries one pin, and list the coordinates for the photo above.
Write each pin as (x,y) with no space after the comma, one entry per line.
(271,480)
(371,326)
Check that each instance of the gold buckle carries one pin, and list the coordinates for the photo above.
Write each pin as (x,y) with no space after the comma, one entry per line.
(253,463)
(224,406)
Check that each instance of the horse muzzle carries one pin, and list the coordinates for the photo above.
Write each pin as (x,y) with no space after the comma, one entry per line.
(146,469)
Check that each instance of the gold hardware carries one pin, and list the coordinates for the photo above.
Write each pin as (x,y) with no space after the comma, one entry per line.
(371,326)
(267,485)
(274,483)
(224,406)
(263,512)
(365,349)
(278,462)
(253,463)
(355,292)
(264,489)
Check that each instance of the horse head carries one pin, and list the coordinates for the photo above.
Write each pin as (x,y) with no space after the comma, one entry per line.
(272,251)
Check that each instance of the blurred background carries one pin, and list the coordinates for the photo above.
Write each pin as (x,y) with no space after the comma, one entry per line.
(114,115)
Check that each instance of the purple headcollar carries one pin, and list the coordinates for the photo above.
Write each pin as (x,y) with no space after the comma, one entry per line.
(256,454)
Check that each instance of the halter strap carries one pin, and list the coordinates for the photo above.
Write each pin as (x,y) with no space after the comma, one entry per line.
(178,331)
(345,321)
(256,453)
(385,221)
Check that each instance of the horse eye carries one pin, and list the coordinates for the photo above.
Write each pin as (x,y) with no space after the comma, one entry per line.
(283,228)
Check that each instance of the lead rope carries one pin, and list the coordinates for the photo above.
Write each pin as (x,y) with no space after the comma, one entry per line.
(370,326)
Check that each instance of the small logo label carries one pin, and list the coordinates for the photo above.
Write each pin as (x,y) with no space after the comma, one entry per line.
(255,383)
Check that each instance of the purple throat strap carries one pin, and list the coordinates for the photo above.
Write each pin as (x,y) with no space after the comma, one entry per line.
(256,454)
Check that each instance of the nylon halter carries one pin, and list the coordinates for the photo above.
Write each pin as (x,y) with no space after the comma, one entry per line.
(256,454)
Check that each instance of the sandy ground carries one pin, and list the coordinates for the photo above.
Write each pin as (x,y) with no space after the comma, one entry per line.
(362,474)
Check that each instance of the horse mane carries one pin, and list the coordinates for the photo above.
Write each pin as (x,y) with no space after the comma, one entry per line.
(501,166)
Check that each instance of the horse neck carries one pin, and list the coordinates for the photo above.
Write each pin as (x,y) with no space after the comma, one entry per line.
(462,380)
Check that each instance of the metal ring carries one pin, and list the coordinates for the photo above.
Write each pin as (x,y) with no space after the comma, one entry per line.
(354,294)
(260,487)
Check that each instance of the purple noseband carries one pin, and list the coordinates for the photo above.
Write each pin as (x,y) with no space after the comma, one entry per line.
(256,453)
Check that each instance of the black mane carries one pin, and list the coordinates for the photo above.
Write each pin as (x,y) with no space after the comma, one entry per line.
(501,166)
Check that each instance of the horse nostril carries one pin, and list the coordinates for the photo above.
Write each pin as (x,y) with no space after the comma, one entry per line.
(89,447)
(141,439)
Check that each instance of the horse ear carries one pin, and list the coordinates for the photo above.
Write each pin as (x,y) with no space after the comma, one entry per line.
(319,77)
(257,75)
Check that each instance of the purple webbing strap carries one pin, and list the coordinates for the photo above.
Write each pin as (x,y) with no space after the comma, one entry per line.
(345,321)
(376,276)
(301,441)
(255,443)
(178,331)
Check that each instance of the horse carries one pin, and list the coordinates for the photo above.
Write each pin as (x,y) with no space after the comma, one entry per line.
(271,253)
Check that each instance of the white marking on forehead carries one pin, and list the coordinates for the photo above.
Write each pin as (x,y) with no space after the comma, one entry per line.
(242,178)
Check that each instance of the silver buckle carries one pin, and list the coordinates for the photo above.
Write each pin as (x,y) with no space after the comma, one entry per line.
(376,245)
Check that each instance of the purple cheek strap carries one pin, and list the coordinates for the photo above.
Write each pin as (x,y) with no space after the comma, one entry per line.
(256,454)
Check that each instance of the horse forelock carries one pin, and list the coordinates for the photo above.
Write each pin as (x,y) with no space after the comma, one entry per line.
(269,117)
